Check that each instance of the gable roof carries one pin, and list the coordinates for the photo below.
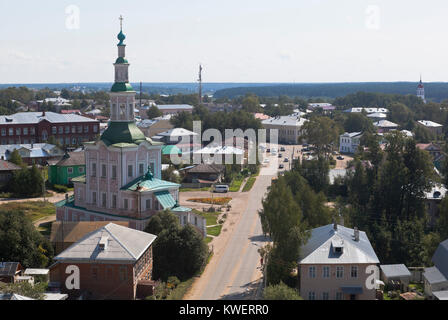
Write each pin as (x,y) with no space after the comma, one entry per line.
(319,248)
(123,244)
(440,258)
(36,117)
(8,166)
(72,159)
(9,268)
(207,168)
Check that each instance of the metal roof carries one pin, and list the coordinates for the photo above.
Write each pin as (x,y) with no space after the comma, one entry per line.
(177,132)
(319,250)
(428,123)
(440,258)
(124,244)
(174,106)
(36,117)
(9,268)
(395,270)
(385,124)
(292,120)
(433,275)
(149,183)
(441,295)
(32,272)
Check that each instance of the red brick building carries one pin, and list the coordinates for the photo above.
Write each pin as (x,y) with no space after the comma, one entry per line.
(114,262)
(38,127)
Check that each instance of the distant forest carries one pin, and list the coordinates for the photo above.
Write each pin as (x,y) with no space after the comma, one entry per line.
(435,91)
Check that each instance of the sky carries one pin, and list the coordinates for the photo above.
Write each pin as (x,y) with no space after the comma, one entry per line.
(50,41)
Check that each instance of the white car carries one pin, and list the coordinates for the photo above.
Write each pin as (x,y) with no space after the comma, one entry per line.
(221,188)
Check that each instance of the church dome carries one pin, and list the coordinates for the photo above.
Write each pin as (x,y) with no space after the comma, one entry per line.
(121,37)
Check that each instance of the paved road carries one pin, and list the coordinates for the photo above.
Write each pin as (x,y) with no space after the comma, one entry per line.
(237,274)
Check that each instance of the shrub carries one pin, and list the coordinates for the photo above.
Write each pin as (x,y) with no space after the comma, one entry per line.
(60,189)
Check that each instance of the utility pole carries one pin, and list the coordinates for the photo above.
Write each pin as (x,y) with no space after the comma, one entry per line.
(200,84)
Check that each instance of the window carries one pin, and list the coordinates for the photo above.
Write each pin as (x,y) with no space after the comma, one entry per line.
(114,172)
(73,129)
(73,141)
(148,204)
(93,169)
(67,129)
(94,197)
(103,171)
(33,131)
(3,132)
(18,131)
(339,296)
(81,169)
(339,272)
(141,169)
(354,272)
(195,221)
(44,135)
(123,274)
(126,204)
(79,129)
(326,272)
(311,295)
(130,171)
(54,130)
(61,130)
(67,141)
(114,201)
(325,296)
(95,129)
(86,129)
(94,273)
(70,170)
(104,200)
(11,131)
(312,272)
(152,166)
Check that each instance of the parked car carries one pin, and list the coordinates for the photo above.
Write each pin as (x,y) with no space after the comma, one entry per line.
(340,158)
(221,188)
(281,166)
(286,160)
(268,150)
(280,155)
(282,149)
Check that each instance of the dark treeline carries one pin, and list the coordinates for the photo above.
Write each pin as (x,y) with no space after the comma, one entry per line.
(436,91)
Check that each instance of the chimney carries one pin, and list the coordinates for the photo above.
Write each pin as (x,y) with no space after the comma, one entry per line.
(356,234)
(43,113)
(335,225)
(102,245)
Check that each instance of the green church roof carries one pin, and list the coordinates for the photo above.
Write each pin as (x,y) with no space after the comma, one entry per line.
(123,132)
(122,87)
(121,60)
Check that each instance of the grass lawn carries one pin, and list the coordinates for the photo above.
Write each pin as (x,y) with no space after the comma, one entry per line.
(214,231)
(193,189)
(211,218)
(35,210)
(249,184)
(208,240)
(236,184)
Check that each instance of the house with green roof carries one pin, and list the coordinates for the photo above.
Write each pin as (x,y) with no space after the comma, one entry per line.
(123,176)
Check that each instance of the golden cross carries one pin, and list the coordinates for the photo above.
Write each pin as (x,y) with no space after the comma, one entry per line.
(121,22)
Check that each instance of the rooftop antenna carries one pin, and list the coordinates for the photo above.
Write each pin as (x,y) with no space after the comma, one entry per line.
(200,84)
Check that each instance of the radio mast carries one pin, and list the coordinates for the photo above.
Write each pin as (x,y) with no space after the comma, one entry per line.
(200,84)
